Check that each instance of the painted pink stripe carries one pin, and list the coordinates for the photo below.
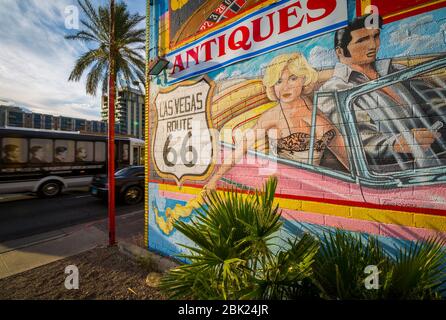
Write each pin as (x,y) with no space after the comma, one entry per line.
(176,195)
(352,224)
(408,233)
(376,228)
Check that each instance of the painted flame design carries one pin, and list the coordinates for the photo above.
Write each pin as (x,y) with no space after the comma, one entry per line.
(166,224)
(178,4)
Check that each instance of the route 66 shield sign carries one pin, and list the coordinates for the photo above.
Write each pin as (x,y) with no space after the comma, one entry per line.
(182,145)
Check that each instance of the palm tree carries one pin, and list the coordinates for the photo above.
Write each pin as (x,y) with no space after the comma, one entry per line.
(128,46)
(116,45)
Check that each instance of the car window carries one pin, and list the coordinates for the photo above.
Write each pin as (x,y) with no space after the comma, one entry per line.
(390,119)
(14,150)
(64,151)
(40,151)
(100,154)
(130,172)
(139,172)
(124,172)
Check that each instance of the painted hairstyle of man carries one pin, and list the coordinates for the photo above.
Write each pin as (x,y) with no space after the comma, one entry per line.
(343,36)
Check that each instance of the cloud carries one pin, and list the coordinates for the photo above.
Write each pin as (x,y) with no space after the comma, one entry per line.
(417,36)
(236,74)
(36,60)
(5,102)
(321,57)
(221,76)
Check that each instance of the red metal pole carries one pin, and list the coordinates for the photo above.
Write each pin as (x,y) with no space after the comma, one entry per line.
(111,132)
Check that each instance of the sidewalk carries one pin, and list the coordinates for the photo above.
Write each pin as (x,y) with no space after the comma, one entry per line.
(28,253)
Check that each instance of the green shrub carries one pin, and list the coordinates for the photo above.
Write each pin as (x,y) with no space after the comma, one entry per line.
(233,258)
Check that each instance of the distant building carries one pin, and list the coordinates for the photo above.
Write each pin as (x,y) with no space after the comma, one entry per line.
(12,117)
(129,112)
(20,118)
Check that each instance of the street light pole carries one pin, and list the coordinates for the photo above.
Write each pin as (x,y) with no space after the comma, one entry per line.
(111,130)
(147,129)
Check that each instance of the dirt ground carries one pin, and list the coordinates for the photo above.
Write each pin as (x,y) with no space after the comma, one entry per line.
(104,273)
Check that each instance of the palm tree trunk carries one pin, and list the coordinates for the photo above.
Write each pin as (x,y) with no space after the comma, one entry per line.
(111,129)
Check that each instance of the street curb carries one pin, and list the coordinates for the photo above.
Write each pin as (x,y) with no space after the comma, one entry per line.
(30,241)
(162,264)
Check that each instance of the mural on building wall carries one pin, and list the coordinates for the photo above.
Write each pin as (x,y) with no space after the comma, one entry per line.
(353,123)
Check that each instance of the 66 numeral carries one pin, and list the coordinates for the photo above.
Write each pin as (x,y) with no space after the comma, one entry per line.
(185,149)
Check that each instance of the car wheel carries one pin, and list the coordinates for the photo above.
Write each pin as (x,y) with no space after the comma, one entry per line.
(50,189)
(133,195)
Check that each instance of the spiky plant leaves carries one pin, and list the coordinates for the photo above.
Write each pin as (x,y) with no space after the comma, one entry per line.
(232,232)
(340,264)
(418,272)
(233,258)
(191,282)
(287,276)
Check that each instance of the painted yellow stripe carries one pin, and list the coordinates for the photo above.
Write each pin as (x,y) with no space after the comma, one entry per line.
(364,5)
(401,218)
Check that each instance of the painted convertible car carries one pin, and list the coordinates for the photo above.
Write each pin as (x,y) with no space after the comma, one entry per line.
(415,179)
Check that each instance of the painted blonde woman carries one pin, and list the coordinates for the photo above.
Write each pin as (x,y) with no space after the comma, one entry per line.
(290,80)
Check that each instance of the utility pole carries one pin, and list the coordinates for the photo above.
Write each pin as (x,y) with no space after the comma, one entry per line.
(111,130)
(147,127)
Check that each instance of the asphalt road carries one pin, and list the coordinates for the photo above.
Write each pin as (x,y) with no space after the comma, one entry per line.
(24,215)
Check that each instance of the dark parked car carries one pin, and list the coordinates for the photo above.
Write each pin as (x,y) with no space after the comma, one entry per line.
(129,185)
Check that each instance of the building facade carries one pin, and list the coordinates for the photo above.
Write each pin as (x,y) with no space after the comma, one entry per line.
(20,118)
(129,112)
(331,100)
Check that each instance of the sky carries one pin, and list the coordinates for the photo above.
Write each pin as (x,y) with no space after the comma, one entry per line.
(36,60)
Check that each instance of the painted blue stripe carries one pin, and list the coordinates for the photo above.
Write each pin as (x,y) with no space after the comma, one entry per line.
(249,55)
(227,27)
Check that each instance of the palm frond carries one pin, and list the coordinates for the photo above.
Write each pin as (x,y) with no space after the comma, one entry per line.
(340,264)
(419,271)
(128,55)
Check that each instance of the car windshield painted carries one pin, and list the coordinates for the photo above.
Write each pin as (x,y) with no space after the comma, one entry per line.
(388,120)
(404,113)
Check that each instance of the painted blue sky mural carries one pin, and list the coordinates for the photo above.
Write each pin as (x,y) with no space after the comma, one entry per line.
(417,35)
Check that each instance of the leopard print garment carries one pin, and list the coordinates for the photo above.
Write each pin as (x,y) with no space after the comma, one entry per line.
(299,141)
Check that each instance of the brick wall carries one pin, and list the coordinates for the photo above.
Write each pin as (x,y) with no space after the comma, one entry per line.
(347,110)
